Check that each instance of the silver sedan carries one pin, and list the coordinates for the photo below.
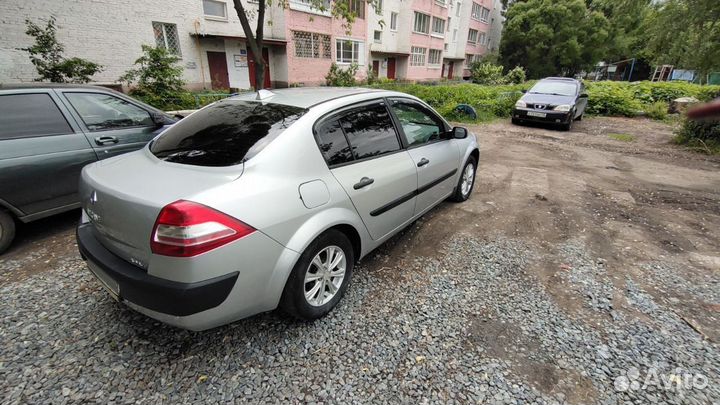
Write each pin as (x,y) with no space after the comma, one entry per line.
(266,200)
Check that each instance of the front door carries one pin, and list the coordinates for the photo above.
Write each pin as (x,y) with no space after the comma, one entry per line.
(391,68)
(376,67)
(252,66)
(451,67)
(112,125)
(219,78)
(437,159)
(442,72)
(373,169)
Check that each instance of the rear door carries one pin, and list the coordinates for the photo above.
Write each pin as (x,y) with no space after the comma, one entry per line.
(112,124)
(365,155)
(581,101)
(42,151)
(437,159)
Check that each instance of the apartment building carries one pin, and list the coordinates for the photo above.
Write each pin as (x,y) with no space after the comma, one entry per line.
(401,39)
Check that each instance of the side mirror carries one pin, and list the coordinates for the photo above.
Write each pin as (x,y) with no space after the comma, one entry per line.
(523,91)
(459,133)
(584,95)
(160,119)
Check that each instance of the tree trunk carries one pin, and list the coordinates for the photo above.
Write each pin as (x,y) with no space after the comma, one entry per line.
(254,40)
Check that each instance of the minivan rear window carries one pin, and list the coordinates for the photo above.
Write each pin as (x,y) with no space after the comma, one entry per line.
(224,134)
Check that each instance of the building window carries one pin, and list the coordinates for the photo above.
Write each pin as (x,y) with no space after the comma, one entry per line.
(348,51)
(393,21)
(468,59)
(417,56)
(166,37)
(481,38)
(476,11)
(438,26)
(379,7)
(311,45)
(448,24)
(445,47)
(422,23)
(457,10)
(435,57)
(357,7)
(485,14)
(472,36)
(215,9)
(377,37)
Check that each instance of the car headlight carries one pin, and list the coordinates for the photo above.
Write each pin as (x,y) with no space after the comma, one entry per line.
(563,107)
(520,104)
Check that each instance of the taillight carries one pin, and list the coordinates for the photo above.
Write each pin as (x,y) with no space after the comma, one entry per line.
(185,229)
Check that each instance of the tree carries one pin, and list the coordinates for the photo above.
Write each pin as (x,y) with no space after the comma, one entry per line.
(625,18)
(344,10)
(684,33)
(159,78)
(47,56)
(553,37)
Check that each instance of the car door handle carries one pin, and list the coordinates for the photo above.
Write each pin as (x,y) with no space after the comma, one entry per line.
(422,162)
(365,181)
(104,140)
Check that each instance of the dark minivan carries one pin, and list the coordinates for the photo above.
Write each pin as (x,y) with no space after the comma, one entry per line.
(48,132)
(553,100)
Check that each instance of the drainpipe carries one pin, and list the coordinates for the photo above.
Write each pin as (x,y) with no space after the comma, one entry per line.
(196,25)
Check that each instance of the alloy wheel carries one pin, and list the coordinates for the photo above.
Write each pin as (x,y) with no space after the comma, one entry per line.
(325,275)
(467,179)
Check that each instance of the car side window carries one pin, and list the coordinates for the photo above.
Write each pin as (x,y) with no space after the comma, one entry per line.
(102,111)
(332,143)
(28,115)
(370,131)
(419,124)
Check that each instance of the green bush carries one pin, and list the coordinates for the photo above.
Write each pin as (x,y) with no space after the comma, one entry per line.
(486,73)
(157,80)
(338,76)
(515,76)
(701,135)
(657,110)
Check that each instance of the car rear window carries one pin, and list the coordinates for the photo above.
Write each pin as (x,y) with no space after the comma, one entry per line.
(224,134)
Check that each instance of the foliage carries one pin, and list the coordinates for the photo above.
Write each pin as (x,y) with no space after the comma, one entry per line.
(626,19)
(657,110)
(700,135)
(552,37)
(47,56)
(158,79)
(605,98)
(372,76)
(343,77)
(486,73)
(516,75)
(684,33)
(622,137)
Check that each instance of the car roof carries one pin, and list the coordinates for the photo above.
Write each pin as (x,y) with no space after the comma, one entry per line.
(563,79)
(46,85)
(305,97)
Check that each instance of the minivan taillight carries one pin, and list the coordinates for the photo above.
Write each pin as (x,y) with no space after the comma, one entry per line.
(186,228)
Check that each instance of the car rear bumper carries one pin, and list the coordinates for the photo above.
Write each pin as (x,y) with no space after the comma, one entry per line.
(255,286)
(153,293)
(551,117)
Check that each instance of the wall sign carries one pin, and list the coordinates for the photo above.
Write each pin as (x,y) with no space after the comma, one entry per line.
(240,60)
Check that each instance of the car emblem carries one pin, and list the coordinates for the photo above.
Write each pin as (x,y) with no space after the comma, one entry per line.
(540,106)
(93,197)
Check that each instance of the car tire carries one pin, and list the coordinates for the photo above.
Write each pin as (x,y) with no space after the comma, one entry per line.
(462,189)
(567,126)
(7,230)
(298,298)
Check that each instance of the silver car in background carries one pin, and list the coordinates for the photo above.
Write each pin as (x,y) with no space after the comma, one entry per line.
(265,200)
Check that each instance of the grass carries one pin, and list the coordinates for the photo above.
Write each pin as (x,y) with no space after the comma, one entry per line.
(622,137)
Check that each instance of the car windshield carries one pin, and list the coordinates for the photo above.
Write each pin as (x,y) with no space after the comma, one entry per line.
(224,134)
(554,87)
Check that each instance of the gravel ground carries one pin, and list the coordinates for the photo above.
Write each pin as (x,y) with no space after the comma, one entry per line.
(471,326)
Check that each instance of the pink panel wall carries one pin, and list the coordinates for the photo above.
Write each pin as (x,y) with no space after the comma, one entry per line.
(427,41)
(310,70)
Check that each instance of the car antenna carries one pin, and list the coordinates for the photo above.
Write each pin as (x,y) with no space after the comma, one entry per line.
(262,94)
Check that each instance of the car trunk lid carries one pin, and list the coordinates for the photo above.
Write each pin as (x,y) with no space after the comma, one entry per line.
(122,197)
